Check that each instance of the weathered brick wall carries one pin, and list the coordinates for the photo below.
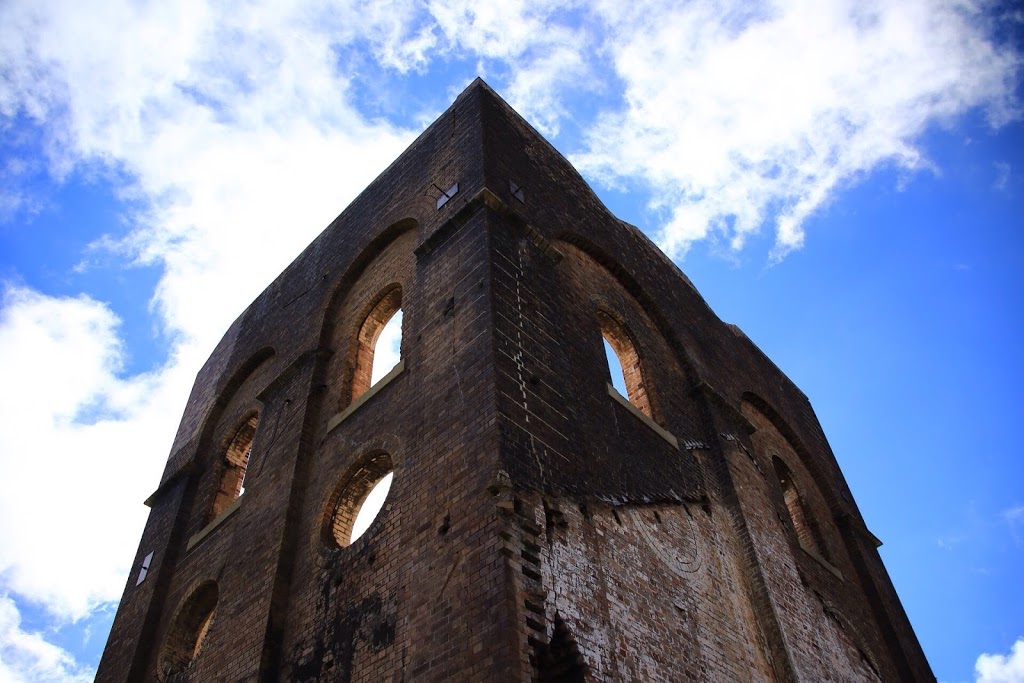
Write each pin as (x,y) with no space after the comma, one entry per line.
(698,371)
(539,527)
(651,592)
(803,583)
(422,590)
(287,318)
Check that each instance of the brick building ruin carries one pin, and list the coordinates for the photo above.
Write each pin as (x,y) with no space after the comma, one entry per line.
(540,525)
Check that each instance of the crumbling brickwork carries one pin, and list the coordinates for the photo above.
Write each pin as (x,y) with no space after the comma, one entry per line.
(539,527)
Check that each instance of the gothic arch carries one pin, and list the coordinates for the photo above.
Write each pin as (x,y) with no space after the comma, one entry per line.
(807,460)
(806,529)
(762,406)
(234,416)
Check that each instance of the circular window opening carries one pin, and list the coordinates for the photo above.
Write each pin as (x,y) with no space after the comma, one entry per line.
(358,500)
(188,631)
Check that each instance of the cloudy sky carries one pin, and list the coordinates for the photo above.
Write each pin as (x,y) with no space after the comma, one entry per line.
(842,179)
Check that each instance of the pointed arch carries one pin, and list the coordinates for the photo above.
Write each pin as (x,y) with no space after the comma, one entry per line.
(243,372)
(370,293)
(377,246)
(228,436)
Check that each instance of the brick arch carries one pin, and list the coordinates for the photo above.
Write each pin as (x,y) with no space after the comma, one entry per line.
(375,315)
(414,210)
(235,449)
(219,478)
(335,472)
(188,630)
(765,408)
(806,531)
(815,494)
(809,463)
(648,304)
(227,391)
(616,333)
(367,283)
(350,494)
(372,250)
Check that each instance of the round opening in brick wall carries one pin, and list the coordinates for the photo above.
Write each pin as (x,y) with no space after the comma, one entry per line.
(358,500)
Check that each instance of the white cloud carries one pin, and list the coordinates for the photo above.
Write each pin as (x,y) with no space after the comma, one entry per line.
(237,133)
(79,450)
(541,43)
(1001,668)
(27,656)
(237,136)
(1002,176)
(737,117)
(734,115)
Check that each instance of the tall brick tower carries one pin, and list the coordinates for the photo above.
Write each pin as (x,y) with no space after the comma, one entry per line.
(540,525)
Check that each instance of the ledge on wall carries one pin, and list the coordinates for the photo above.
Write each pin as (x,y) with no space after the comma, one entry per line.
(208,529)
(658,429)
(822,561)
(367,395)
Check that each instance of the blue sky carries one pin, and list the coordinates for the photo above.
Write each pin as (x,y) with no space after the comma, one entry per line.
(843,180)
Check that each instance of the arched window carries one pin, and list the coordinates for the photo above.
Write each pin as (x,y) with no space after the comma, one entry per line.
(236,462)
(797,514)
(379,344)
(188,631)
(358,500)
(624,363)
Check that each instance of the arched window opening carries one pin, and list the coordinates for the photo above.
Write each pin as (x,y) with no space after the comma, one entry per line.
(236,463)
(379,344)
(624,363)
(188,631)
(615,368)
(389,348)
(797,514)
(358,501)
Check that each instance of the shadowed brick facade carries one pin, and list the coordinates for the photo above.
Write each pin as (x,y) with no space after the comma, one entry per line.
(540,527)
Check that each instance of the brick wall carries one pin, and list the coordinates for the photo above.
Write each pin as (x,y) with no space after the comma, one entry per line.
(539,527)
